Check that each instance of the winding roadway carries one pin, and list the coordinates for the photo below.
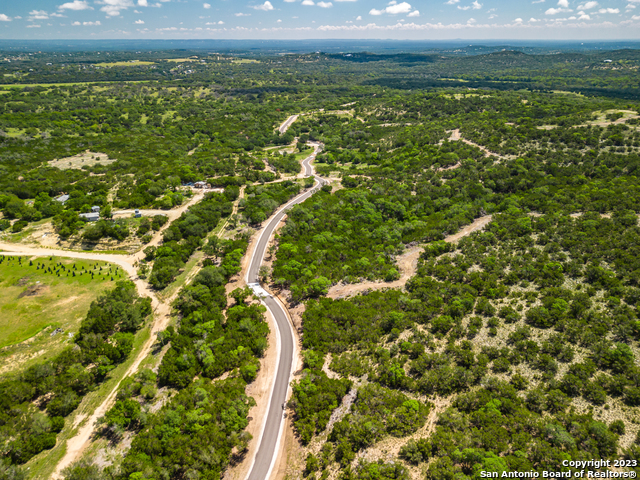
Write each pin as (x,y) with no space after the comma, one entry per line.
(273,424)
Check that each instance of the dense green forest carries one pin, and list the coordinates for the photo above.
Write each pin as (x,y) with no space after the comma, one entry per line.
(512,349)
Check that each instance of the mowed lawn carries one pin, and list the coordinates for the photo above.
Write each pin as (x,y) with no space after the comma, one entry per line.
(42,291)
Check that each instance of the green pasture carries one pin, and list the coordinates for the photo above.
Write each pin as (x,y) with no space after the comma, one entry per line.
(42,291)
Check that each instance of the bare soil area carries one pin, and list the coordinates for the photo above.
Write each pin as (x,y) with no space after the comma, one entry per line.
(86,158)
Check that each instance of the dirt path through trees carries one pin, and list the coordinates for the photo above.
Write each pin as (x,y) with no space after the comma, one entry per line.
(407,264)
(455,136)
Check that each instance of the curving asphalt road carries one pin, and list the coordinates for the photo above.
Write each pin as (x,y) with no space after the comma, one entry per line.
(285,126)
(267,452)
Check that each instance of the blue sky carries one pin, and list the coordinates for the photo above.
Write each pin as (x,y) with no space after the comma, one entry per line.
(294,19)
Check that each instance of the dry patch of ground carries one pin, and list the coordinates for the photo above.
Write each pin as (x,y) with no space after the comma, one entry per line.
(86,158)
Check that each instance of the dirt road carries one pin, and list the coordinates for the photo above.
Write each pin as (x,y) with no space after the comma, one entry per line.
(407,264)
(455,136)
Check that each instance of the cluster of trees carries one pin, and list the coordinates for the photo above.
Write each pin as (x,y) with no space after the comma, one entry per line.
(193,435)
(184,236)
(365,425)
(155,224)
(285,163)
(314,397)
(200,428)
(492,429)
(261,201)
(34,403)
(357,233)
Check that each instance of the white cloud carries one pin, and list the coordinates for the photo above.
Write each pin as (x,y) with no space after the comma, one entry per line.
(38,15)
(398,8)
(139,22)
(555,11)
(220,22)
(206,5)
(289,1)
(96,23)
(518,20)
(635,17)
(466,7)
(75,24)
(415,13)
(4,18)
(58,15)
(358,17)
(142,3)
(533,20)
(242,14)
(609,10)
(538,1)
(394,8)
(476,5)
(584,16)
(33,26)
(113,7)
(75,5)
(563,3)
(325,4)
(308,3)
(588,5)
(452,2)
(278,21)
(630,6)
(471,21)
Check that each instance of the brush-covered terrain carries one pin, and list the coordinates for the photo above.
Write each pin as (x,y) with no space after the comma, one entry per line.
(465,286)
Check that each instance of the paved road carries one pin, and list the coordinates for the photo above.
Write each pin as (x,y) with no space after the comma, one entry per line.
(272,429)
(285,126)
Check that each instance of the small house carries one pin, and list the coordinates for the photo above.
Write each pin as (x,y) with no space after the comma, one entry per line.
(202,184)
(136,213)
(90,217)
(62,198)
(95,209)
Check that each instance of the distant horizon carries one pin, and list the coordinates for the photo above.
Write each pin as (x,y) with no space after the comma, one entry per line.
(279,46)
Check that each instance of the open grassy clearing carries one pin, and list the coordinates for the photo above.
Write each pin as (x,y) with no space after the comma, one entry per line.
(48,291)
(86,158)
(35,303)
(244,60)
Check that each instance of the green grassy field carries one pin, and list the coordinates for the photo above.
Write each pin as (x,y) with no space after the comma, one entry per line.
(35,298)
